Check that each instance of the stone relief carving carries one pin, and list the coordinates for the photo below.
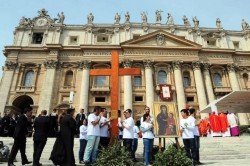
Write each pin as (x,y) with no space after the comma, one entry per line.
(127,63)
(185,20)
(160,39)
(176,65)
(90,18)
(10,65)
(170,19)
(147,63)
(84,64)
(50,64)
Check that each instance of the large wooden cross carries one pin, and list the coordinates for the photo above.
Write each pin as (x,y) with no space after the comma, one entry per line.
(115,72)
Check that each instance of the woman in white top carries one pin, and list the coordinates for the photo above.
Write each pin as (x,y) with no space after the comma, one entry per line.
(187,126)
(135,140)
(83,140)
(148,137)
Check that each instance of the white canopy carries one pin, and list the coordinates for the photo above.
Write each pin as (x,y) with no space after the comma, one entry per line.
(236,102)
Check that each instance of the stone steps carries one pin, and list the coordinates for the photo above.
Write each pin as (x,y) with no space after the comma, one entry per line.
(221,149)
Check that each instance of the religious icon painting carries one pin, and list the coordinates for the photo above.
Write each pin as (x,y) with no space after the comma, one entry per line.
(166,120)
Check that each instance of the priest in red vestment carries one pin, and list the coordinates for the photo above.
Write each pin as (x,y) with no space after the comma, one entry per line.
(223,122)
(215,123)
(204,127)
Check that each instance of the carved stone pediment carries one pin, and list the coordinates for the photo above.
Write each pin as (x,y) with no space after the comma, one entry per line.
(161,39)
(43,19)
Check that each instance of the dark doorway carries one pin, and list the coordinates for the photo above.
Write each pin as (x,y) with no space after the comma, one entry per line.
(22,102)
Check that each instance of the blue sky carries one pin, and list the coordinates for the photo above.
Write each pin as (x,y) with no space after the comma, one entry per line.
(230,12)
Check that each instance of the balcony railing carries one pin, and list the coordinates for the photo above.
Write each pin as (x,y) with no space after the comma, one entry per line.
(97,89)
(25,89)
(139,88)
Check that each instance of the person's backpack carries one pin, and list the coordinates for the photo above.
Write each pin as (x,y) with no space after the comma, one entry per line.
(4,152)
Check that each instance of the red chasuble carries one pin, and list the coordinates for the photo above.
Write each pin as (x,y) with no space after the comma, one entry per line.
(204,127)
(215,122)
(223,122)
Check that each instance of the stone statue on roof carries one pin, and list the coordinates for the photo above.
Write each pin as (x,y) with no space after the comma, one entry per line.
(158,16)
(186,21)
(117,18)
(244,25)
(127,17)
(144,17)
(90,18)
(170,20)
(218,23)
(61,18)
(196,22)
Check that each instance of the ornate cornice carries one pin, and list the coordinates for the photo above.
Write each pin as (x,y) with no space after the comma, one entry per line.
(10,65)
(50,64)
(84,64)
(176,65)
(127,63)
(148,63)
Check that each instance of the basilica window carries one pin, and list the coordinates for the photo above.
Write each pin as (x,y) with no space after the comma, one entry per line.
(73,40)
(245,79)
(162,77)
(100,81)
(28,79)
(137,81)
(217,79)
(236,45)
(186,79)
(37,38)
(68,78)
(102,38)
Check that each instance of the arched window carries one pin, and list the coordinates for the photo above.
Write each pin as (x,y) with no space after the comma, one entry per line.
(68,78)
(28,79)
(137,81)
(101,81)
(245,79)
(186,79)
(162,77)
(217,79)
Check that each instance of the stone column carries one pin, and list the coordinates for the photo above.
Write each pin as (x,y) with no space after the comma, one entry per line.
(84,93)
(208,83)
(181,99)
(201,94)
(7,78)
(235,87)
(46,96)
(149,83)
(128,98)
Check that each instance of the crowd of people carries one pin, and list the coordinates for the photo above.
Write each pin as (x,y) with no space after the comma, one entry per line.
(93,131)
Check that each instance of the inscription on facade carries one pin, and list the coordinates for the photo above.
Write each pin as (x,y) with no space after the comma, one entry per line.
(216,56)
(168,53)
(86,53)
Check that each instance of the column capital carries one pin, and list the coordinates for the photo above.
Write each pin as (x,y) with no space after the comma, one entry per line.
(84,64)
(231,67)
(9,65)
(127,63)
(50,64)
(196,65)
(176,65)
(147,63)
(206,66)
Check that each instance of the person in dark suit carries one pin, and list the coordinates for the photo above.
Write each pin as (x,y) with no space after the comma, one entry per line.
(79,119)
(67,129)
(41,127)
(20,138)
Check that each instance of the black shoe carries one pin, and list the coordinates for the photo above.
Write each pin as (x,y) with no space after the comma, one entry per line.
(26,162)
(11,164)
(199,163)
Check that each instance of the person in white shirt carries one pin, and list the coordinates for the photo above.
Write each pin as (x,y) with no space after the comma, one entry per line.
(192,117)
(135,140)
(83,140)
(104,130)
(128,133)
(120,125)
(148,136)
(93,135)
(186,128)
